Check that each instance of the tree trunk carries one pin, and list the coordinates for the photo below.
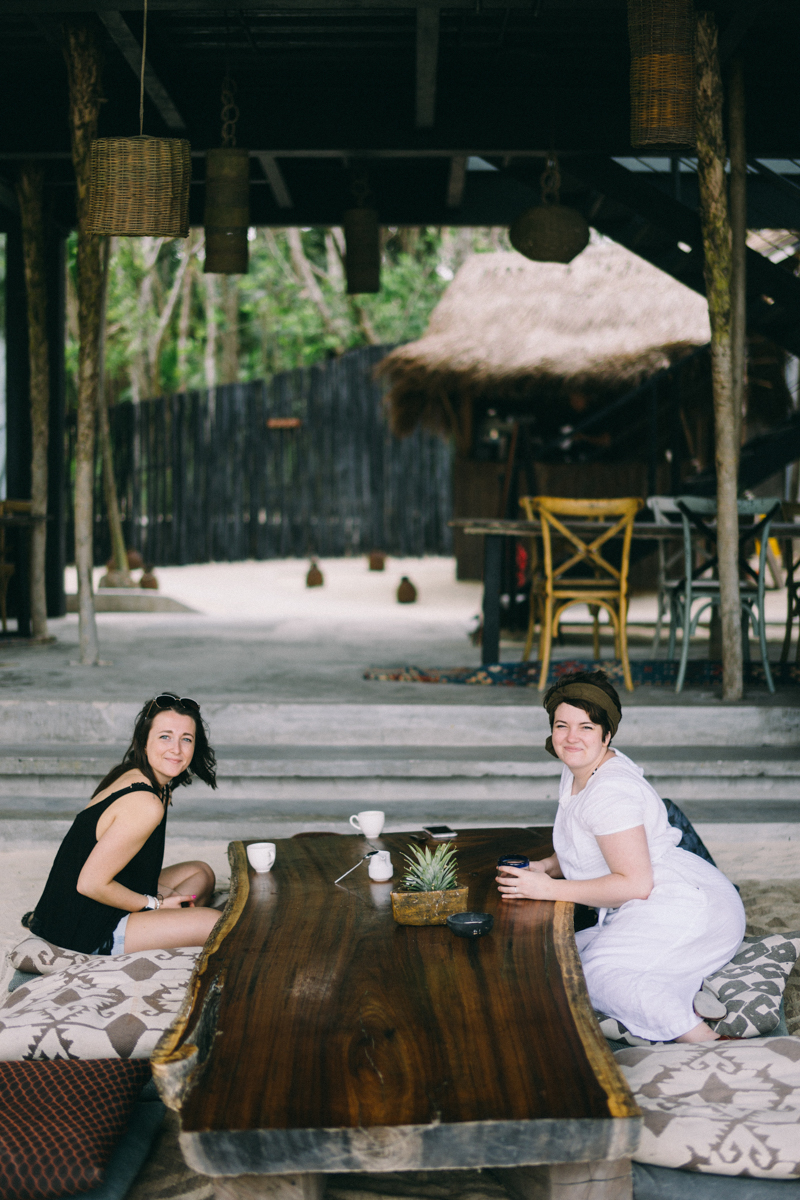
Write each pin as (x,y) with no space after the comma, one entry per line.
(210,355)
(119,554)
(30,187)
(230,334)
(185,313)
(717,253)
(738,154)
(83,59)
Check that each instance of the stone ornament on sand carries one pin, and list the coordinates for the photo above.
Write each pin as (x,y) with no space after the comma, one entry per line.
(314,578)
(406,592)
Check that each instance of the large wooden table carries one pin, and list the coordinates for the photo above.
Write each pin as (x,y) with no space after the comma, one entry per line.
(319,1037)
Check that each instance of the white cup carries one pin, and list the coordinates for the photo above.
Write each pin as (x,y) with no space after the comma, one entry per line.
(261,856)
(369,823)
(380,866)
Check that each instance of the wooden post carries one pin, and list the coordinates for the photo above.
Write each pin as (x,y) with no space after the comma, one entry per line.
(738,157)
(121,572)
(717,267)
(82,55)
(30,190)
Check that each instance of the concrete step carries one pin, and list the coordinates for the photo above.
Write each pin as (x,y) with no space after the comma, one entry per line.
(337,780)
(520,722)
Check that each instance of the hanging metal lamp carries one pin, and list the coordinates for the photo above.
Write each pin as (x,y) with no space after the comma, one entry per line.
(661,34)
(227,210)
(139,186)
(550,232)
(362,236)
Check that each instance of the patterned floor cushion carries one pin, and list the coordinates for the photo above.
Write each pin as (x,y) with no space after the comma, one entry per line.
(35,956)
(96,1007)
(725,1108)
(60,1122)
(750,986)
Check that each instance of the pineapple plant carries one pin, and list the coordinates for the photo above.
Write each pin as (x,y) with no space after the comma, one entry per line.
(430,891)
(430,872)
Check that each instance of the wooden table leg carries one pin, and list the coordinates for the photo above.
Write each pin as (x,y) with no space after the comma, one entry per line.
(569,1181)
(269,1187)
(492,557)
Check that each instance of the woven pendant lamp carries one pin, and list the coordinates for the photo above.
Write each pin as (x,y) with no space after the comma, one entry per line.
(550,232)
(139,186)
(362,243)
(661,35)
(227,211)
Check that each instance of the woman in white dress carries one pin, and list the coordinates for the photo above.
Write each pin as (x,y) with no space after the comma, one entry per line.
(667,918)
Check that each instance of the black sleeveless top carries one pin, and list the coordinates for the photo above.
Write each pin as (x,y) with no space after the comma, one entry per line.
(77,922)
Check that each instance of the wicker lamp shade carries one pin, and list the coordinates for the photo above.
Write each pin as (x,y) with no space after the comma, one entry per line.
(662,72)
(227,211)
(139,187)
(549,233)
(362,250)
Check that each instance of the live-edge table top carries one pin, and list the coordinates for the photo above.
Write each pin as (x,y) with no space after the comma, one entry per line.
(320,1036)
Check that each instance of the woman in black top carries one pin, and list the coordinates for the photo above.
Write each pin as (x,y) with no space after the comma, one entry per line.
(107,892)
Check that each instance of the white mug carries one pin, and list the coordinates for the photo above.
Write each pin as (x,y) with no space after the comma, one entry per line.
(380,866)
(261,856)
(369,823)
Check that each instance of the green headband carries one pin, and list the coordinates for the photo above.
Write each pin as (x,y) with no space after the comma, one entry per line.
(582,691)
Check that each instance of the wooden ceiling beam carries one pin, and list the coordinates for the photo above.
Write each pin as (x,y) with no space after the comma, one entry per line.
(32,7)
(427,64)
(131,51)
(456,180)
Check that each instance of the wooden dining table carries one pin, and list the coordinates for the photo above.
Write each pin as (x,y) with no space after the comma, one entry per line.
(319,1038)
(493,530)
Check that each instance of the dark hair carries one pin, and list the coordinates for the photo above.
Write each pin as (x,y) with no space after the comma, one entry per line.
(596,714)
(203,764)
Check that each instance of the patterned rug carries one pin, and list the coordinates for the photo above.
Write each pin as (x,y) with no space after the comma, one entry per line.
(770,907)
(648,672)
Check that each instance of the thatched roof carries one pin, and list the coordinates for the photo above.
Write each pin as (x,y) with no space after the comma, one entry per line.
(508,327)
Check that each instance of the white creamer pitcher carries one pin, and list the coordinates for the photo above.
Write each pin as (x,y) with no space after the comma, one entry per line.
(380,866)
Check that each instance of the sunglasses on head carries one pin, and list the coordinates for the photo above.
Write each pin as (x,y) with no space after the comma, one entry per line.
(168,700)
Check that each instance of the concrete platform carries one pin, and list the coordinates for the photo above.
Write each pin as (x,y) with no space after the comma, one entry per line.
(130,600)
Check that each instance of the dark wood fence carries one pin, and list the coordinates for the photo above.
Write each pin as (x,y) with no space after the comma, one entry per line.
(300,464)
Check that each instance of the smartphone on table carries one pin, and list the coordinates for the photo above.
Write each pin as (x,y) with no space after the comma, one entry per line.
(439,832)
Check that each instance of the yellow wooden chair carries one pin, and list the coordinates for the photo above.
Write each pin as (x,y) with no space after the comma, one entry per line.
(556,591)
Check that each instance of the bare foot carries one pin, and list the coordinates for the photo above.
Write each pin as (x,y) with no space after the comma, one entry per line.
(700,1033)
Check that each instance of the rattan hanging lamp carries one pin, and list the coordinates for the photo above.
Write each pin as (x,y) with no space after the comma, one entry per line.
(362,238)
(550,232)
(139,186)
(661,36)
(227,210)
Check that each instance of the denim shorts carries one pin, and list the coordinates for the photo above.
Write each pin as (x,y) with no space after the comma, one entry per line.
(117,939)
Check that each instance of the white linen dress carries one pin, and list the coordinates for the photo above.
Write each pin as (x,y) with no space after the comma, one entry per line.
(645,960)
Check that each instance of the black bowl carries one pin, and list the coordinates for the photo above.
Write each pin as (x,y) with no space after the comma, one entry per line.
(470,924)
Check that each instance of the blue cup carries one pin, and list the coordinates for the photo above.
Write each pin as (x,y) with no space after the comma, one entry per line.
(513,860)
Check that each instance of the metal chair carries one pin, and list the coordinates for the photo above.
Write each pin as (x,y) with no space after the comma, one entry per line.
(790,513)
(662,508)
(556,591)
(684,592)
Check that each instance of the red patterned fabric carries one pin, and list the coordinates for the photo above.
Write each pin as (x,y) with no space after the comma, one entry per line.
(60,1121)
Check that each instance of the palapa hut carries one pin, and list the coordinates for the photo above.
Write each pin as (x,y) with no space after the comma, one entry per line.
(531,349)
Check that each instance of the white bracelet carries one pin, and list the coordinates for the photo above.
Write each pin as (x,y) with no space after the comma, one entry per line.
(152,903)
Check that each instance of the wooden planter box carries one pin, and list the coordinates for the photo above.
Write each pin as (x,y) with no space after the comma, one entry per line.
(428,908)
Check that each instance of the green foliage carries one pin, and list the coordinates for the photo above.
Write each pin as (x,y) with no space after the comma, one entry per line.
(428,872)
(172,328)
